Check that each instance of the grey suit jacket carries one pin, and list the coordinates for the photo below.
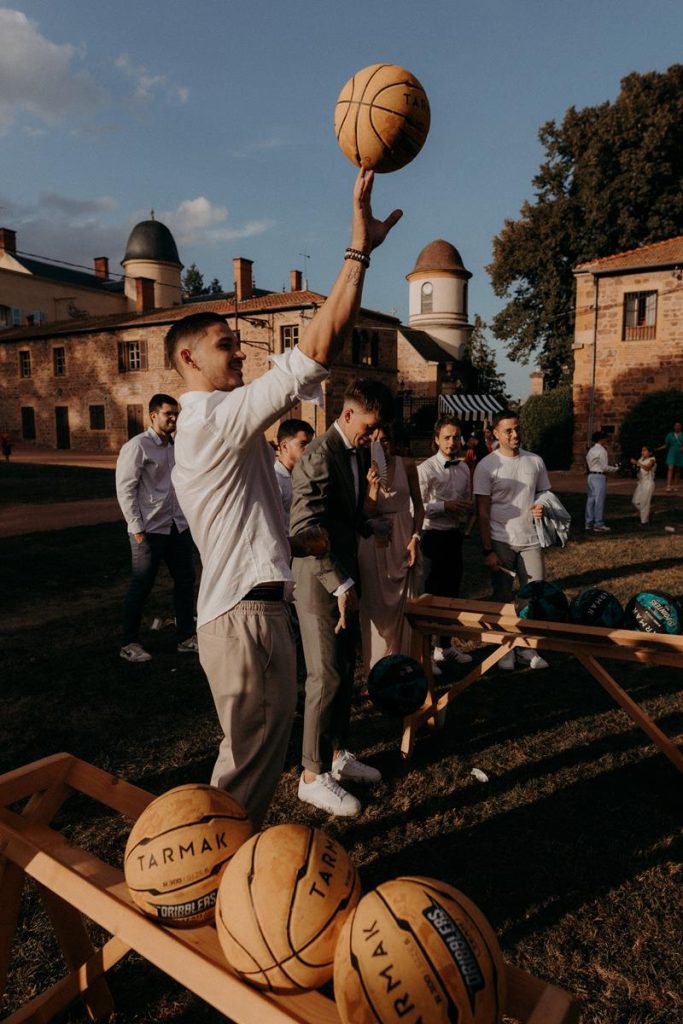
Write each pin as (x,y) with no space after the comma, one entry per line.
(323,495)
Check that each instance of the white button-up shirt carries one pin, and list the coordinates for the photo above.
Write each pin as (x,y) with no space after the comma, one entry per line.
(597,460)
(143,485)
(284,482)
(225,480)
(439,485)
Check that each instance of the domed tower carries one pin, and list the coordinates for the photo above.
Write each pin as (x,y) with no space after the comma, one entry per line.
(152,253)
(437,300)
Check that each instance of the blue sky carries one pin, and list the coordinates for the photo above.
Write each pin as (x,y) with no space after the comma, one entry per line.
(218,114)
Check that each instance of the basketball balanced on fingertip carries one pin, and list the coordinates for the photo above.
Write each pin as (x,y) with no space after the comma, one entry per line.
(382,118)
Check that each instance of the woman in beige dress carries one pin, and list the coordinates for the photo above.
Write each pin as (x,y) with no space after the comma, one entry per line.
(388,560)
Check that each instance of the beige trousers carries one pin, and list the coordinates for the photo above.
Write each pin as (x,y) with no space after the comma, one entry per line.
(249,658)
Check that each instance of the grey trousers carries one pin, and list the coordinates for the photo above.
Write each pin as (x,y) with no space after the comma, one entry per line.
(527,563)
(330,665)
(249,658)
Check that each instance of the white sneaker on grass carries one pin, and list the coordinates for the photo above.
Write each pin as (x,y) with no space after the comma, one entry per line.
(451,654)
(135,652)
(347,768)
(507,662)
(328,795)
(531,659)
(189,646)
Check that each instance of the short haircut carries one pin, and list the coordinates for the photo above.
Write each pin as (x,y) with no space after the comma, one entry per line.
(290,428)
(447,420)
(504,414)
(597,435)
(156,402)
(371,396)
(192,326)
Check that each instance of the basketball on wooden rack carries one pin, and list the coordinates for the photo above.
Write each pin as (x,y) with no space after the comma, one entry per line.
(178,849)
(382,118)
(418,949)
(397,685)
(653,611)
(282,902)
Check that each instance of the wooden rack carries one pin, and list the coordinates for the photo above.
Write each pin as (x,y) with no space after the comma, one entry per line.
(73,882)
(499,624)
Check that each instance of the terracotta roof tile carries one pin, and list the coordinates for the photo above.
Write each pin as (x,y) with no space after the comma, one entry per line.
(655,255)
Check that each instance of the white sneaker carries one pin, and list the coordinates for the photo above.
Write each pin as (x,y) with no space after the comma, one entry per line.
(329,796)
(135,652)
(348,768)
(530,659)
(189,646)
(602,529)
(436,671)
(446,654)
(507,662)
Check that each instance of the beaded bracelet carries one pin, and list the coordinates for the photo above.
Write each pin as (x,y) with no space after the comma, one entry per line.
(358,255)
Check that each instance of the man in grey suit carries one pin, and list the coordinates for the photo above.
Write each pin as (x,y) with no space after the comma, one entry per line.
(328,489)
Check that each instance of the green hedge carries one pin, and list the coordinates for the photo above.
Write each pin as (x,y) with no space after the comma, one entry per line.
(547,425)
(649,421)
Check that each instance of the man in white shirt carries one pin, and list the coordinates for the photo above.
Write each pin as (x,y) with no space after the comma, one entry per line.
(293,437)
(226,484)
(506,483)
(157,528)
(446,488)
(597,462)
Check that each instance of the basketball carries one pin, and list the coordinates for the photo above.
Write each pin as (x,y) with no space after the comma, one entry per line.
(382,117)
(397,685)
(418,949)
(543,601)
(596,607)
(281,905)
(653,611)
(178,849)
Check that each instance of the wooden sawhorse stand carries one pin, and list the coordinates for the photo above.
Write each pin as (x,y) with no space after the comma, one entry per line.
(499,624)
(73,882)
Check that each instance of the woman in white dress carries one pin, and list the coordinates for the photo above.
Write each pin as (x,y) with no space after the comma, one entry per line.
(388,560)
(642,496)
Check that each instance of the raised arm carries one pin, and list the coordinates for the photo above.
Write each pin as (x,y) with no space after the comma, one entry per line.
(333,323)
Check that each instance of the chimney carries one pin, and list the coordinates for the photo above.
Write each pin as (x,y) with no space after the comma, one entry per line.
(295,280)
(244,285)
(8,241)
(102,266)
(144,294)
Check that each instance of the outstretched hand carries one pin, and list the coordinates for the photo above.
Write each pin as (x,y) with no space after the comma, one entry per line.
(367,232)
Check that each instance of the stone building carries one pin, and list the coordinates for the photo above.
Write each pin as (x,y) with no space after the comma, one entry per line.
(85,384)
(628,336)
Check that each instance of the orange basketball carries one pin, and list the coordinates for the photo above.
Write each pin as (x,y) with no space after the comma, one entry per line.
(281,905)
(178,849)
(382,118)
(418,949)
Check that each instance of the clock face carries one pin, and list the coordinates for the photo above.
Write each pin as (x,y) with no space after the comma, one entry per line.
(427,288)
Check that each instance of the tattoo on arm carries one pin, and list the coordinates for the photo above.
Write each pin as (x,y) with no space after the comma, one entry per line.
(354,275)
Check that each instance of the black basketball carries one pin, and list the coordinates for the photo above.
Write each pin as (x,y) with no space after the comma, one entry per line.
(397,685)
(596,607)
(653,611)
(543,601)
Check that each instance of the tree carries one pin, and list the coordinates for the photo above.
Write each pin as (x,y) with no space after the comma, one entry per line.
(612,181)
(215,288)
(482,359)
(193,281)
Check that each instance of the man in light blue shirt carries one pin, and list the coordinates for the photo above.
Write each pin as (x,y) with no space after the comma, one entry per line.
(157,529)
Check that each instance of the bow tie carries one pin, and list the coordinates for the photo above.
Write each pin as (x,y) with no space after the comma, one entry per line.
(451,462)
(351,451)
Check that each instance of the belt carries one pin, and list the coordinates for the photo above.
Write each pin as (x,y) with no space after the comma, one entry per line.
(266,592)
(596,472)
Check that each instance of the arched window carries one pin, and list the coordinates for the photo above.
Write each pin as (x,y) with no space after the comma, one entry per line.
(426,295)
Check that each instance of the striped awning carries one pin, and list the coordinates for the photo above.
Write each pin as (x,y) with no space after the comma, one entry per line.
(469,407)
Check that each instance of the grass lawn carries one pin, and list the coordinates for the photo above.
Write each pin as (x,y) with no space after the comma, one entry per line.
(24,482)
(571,850)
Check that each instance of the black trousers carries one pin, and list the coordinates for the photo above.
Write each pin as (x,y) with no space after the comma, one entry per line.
(442,562)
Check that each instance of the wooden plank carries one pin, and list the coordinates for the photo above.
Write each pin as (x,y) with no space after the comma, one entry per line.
(65,992)
(108,789)
(634,711)
(193,957)
(39,775)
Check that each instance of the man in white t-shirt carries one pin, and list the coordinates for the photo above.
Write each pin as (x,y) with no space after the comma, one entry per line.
(225,483)
(506,483)
(597,463)
(293,437)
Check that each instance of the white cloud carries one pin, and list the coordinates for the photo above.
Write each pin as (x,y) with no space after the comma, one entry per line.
(148,85)
(198,220)
(40,77)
